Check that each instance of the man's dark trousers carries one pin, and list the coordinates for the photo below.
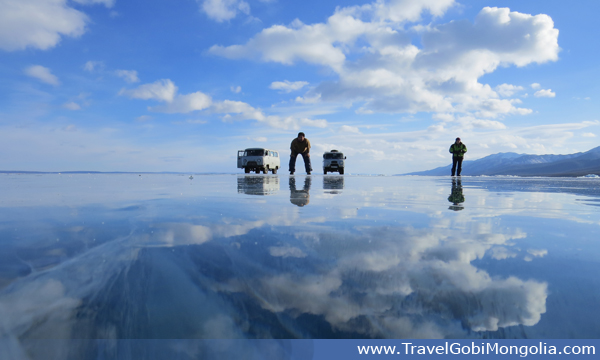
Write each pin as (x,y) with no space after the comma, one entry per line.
(306,158)
(456,165)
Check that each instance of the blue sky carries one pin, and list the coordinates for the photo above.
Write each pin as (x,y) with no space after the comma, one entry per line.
(181,85)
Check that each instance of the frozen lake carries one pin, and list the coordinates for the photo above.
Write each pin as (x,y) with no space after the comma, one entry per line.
(124,256)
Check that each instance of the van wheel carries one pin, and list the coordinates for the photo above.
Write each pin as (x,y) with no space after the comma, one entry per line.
(247,170)
(341,171)
(266,170)
(274,171)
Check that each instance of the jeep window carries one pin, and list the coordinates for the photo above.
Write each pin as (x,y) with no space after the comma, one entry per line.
(333,156)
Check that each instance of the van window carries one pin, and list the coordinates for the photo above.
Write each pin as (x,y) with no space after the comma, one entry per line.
(254,152)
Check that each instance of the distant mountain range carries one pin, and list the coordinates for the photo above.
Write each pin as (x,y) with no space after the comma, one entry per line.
(579,164)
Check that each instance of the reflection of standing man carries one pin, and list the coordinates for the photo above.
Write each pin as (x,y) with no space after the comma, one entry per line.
(456,196)
(458,150)
(300,197)
(300,145)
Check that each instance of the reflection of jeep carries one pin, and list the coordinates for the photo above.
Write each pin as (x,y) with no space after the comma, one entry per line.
(333,161)
(258,159)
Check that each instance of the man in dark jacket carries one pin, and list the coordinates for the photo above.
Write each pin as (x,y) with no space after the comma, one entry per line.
(458,150)
(300,145)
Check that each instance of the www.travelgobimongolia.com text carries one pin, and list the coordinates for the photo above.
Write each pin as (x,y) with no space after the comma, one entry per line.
(476,349)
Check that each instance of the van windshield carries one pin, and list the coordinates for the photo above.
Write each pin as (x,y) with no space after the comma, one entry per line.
(255,152)
(334,156)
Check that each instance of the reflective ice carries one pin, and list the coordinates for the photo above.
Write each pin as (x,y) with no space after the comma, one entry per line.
(100,256)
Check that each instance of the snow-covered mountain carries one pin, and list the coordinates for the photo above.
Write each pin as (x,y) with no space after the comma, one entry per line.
(578,164)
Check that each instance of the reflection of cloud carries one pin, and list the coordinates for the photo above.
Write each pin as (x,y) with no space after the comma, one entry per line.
(501,253)
(286,251)
(410,275)
(535,253)
(538,253)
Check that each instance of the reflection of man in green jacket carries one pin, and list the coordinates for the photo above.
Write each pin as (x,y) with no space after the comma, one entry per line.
(458,150)
(456,196)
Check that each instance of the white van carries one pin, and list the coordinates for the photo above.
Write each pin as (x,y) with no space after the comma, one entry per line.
(258,159)
(333,161)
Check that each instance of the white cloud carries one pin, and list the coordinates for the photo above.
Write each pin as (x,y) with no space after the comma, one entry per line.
(388,73)
(224,10)
(589,135)
(43,74)
(143,118)
(92,66)
(535,86)
(38,24)
(507,90)
(161,90)
(107,3)
(244,111)
(72,106)
(410,11)
(259,139)
(349,129)
(129,76)
(287,86)
(185,103)
(164,90)
(545,93)
(236,89)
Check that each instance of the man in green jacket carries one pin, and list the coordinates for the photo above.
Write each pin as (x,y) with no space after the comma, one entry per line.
(458,150)
(300,145)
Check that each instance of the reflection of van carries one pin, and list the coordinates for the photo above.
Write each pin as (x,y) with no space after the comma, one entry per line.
(258,159)
(333,161)
(258,185)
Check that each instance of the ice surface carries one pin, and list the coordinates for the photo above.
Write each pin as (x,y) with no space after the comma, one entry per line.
(126,256)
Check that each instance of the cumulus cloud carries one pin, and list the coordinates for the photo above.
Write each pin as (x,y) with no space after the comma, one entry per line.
(161,90)
(507,90)
(185,103)
(535,86)
(236,89)
(545,93)
(388,73)
(224,10)
(43,74)
(38,24)
(287,86)
(92,66)
(129,76)
(107,3)
(165,91)
(410,11)
(349,129)
(72,106)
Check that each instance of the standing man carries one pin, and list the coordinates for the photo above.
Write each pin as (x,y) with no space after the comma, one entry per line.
(458,150)
(300,145)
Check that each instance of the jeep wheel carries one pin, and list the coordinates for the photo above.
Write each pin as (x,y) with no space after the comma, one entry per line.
(247,170)
(257,171)
(341,171)
(324,172)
